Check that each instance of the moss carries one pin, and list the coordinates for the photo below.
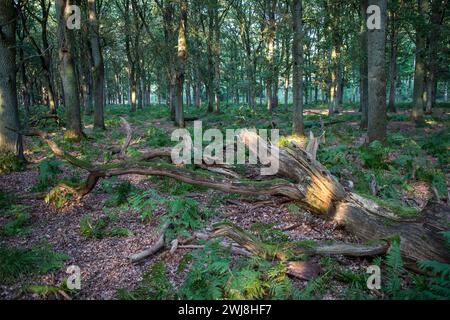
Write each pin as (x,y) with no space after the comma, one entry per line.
(398,209)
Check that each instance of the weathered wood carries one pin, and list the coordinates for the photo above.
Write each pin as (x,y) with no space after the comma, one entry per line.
(158,246)
(306,181)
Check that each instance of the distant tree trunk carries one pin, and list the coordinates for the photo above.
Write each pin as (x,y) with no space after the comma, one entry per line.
(45,56)
(333,23)
(217,50)
(297,54)
(26,83)
(446,92)
(210,81)
(98,70)
(181,63)
(420,70)
(188,92)
(9,141)
(333,102)
(438,10)
(363,70)
(270,38)
(196,87)
(393,63)
(68,72)
(287,72)
(377,77)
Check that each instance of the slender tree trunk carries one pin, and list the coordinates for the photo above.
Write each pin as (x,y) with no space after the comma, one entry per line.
(446,92)
(393,63)
(420,70)
(438,10)
(217,52)
(68,73)
(364,85)
(181,63)
(287,73)
(98,70)
(211,68)
(377,77)
(297,54)
(270,36)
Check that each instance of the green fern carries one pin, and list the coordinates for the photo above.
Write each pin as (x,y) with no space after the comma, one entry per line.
(154,286)
(15,262)
(48,175)
(394,265)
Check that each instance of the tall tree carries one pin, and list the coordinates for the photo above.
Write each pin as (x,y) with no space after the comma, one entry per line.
(270,35)
(297,54)
(393,57)
(420,69)
(98,68)
(376,38)
(181,63)
(44,50)
(68,72)
(363,69)
(9,115)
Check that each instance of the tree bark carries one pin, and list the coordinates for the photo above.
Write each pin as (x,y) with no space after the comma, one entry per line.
(420,69)
(363,70)
(304,180)
(393,63)
(9,114)
(377,77)
(297,81)
(270,34)
(181,63)
(98,69)
(68,72)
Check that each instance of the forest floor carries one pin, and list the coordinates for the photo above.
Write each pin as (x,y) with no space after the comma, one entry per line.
(123,215)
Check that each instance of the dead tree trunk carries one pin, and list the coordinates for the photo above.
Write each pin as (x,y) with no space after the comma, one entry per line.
(303,179)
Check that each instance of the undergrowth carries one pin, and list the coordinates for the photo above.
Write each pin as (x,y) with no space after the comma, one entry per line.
(16,262)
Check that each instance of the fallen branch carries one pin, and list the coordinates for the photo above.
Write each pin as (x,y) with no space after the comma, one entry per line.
(305,181)
(158,246)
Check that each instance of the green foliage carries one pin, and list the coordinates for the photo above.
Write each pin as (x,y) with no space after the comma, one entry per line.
(6,201)
(120,194)
(154,286)
(157,138)
(208,275)
(58,197)
(9,163)
(99,229)
(172,186)
(438,285)
(213,277)
(16,226)
(394,268)
(435,178)
(184,214)
(48,175)
(375,155)
(438,145)
(269,233)
(15,262)
(320,285)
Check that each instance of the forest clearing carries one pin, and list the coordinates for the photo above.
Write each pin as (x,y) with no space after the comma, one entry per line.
(215,150)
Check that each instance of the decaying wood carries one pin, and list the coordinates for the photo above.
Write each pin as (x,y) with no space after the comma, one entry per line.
(301,178)
(158,246)
(256,247)
(303,270)
(129,136)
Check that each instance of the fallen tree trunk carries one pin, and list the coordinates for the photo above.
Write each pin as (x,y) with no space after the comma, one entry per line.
(304,180)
